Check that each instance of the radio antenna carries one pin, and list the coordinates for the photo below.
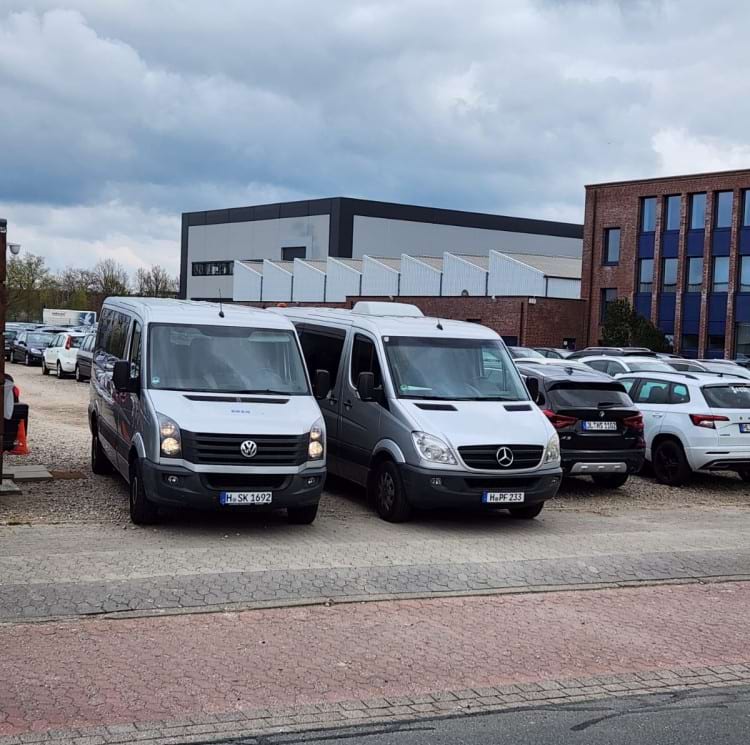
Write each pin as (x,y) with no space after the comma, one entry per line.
(221,307)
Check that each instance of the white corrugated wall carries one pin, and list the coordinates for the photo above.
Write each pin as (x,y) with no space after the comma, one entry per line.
(277,282)
(378,279)
(419,278)
(309,283)
(568,288)
(343,281)
(460,275)
(511,277)
(247,283)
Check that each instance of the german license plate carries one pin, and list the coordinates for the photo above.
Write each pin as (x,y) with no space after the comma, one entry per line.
(745,429)
(600,426)
(503,497)
(245,497)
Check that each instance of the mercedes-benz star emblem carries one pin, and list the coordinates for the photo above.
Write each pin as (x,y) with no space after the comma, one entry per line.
(249,449)
(504,457)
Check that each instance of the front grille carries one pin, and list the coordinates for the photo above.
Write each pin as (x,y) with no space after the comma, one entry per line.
(485,456)
(243,482)
(487,483)
(224,450)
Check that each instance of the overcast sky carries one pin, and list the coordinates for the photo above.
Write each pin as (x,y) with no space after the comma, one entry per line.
(118,115)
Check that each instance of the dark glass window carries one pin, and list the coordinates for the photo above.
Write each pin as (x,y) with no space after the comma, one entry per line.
(648,214)
(724,209)
(612,245)
(742,338)
(694,274)
(746,210)
(673,213)
(697,211)
(744,274)
(365,359)
(669,276)
(735,396)
(716,342)
(609,295)
(690,341)
(587,395)
(645,275)
(721,274)
(212,268)
(135,350)
(652,392)
(289,253)
(322,349)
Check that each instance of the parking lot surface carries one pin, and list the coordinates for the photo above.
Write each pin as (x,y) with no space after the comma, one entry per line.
(182,629)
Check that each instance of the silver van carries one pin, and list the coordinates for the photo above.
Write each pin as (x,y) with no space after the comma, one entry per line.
(427,412)
(196,405)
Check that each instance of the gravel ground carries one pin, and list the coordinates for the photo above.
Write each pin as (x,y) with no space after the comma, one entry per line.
(59,439)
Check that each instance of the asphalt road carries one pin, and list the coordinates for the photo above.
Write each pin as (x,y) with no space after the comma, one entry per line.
(715,716)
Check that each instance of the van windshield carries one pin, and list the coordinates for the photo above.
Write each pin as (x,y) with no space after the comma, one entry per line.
(453,369)
(225,359)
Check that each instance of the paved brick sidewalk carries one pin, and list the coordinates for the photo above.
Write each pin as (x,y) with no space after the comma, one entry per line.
(99,673)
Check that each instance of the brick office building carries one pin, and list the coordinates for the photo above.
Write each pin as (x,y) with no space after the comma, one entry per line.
(679,249)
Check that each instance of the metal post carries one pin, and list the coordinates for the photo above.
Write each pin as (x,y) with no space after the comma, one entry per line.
(3,308)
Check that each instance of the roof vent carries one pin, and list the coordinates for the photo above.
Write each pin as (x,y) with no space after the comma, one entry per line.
(369,308)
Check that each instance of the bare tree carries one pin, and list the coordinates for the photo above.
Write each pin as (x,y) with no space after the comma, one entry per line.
(155,282)
(29,282)
(110,278)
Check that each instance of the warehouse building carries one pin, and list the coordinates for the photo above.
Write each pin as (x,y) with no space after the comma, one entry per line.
(281,248)
(679,249)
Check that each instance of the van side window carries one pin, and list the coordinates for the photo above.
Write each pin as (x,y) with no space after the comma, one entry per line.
(119,336)
(322,349)
(104,331)
(135,350)
(365,359)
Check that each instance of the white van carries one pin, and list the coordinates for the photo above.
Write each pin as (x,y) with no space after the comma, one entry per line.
(427,412)
(199,406)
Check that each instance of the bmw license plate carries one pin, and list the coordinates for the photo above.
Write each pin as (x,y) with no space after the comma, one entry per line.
(600,426)
(503,497)
(245,497)
(745,429)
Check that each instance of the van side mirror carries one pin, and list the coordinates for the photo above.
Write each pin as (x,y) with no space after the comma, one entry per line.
(321,383)
(366,386)
(121,378)
(532,385)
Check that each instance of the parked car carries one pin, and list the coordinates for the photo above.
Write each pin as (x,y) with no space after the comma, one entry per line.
(551,362)
(682,365)
(20,414)
(552,353)
(84,358)
(600,429)
(524,352)
(693,423)
(725,367)
(612,352)
(28,347)
(61,354)
(621,365)
(196,406)
(9,336)
(426,413)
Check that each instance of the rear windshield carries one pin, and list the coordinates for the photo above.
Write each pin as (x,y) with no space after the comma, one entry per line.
(736,396)
(76,341)
(40,339)
(654,366)
(588,395)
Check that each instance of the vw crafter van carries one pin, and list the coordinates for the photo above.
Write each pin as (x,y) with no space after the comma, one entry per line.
(199,406)
(426,412)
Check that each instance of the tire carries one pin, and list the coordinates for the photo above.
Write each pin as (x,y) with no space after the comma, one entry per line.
(142,511)
(670,464)
(744,474)
(302,515)
(45,369)
(610,480)
(27,360)
(79,378)
(100,464)
(528,512)
(59,371)
(387,492)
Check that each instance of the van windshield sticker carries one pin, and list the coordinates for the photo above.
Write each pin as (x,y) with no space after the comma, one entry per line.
(155,380)
(240,411)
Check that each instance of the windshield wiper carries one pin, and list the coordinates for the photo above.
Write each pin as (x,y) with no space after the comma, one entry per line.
(270,391)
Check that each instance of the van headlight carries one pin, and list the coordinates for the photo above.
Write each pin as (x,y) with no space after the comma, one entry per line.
(170,442)
(552,453)
(316,444)
(433,449)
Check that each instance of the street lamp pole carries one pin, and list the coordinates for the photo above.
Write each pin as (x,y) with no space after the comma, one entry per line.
(3,309)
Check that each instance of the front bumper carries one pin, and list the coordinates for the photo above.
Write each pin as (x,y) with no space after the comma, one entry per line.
(582,462)
(465,488)
(202,490)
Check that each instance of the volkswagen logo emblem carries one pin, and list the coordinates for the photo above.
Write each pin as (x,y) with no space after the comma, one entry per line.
(504,457)
(249,449)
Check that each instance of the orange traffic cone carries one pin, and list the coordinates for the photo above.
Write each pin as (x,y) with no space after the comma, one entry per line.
(21,447)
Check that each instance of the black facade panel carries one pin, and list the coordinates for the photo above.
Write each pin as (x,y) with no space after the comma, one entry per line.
(184,255)
(267,212)
(320,206)
(195,218)
(334,229)
(294,209)
(217,217)
(241,214)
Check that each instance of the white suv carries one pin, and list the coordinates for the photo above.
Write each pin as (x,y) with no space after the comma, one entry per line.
(693,423)
(611,365)
(62,352)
